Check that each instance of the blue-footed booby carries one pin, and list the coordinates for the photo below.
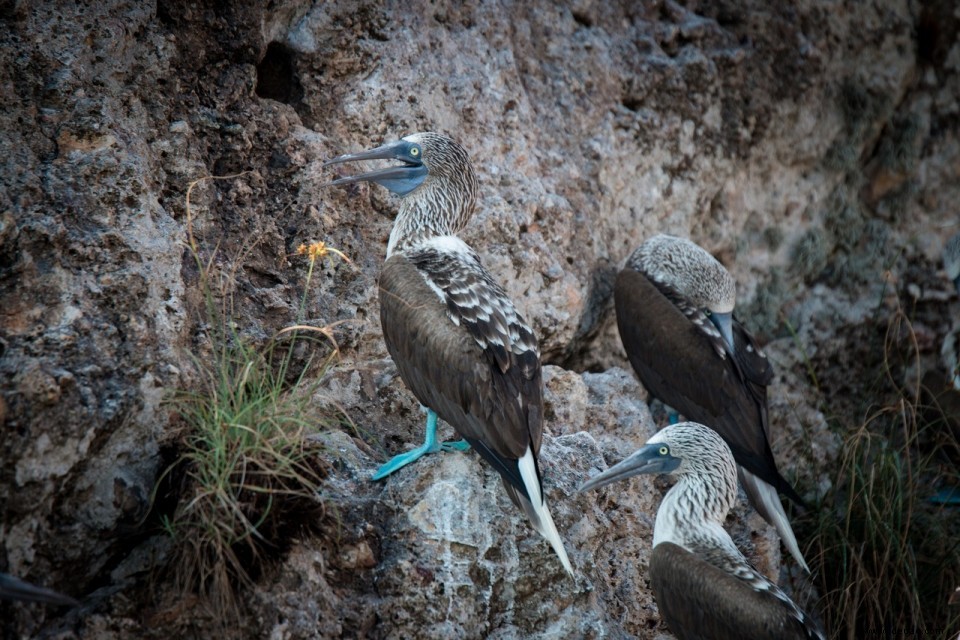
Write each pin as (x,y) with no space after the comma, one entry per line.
(458,341)
(13,588)
(674,306)
(703,585)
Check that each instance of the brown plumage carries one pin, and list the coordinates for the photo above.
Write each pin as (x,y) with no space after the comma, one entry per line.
(468,386)
(704,587)
(458,341)
(674,306)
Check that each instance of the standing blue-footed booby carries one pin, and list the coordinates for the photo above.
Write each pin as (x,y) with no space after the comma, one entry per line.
(704,586)
(674,306)
(458,341)
(13,588)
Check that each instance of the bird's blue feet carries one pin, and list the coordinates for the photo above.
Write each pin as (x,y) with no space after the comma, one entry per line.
(948,496)
(455,445)
(673,417)
(430,445)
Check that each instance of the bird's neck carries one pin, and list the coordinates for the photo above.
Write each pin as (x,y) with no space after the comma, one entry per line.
(433,210)
(693,508)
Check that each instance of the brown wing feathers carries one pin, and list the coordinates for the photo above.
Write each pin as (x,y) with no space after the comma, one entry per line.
(693,379)
(699,600)
(457,357)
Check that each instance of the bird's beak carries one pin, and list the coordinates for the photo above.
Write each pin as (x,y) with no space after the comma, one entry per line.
(724,323)
(17,589)
(399,179)
(646,460)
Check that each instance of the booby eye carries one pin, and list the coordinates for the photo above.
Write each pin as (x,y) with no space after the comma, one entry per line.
(707,312)
(415,152)
(664,450)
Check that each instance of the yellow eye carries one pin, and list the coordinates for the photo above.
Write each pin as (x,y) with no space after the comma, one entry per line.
(707,312)
(664,450)
(415,151)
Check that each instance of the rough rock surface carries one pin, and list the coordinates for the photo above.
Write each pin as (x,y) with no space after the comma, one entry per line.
(812,146)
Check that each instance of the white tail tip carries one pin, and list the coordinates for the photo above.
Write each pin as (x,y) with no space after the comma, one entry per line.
(766,500)
(537,511)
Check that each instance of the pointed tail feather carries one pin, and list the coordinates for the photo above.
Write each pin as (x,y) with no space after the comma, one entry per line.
(536,508)
(766,501)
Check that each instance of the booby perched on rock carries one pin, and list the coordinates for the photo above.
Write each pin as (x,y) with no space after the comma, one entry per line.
(674,306)
(458,341)
(704,586)
(13,588)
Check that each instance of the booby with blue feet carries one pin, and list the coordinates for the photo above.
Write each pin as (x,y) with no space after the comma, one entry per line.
(704,587)
(457,339)
(674,304)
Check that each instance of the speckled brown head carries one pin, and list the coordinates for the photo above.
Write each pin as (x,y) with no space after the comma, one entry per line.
(690,270)
(436,181)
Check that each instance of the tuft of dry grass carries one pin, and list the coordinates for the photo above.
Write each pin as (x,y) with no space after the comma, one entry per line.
(247,475)
(886,558)
(246,470)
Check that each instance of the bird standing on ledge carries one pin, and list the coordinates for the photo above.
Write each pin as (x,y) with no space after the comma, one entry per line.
(704,586)
(674,306)
(458,341)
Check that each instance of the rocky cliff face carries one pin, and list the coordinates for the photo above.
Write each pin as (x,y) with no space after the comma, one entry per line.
(812,148)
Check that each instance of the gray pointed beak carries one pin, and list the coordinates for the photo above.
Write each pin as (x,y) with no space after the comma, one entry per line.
(16,589)
(724,324)
(645,460)
(400,179)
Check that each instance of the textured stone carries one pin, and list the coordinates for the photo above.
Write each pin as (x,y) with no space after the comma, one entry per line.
(812,147)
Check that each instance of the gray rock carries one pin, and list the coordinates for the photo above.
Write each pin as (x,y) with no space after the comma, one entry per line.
(750,127)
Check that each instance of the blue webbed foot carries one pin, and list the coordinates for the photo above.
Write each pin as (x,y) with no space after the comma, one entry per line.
(455,445)
(430,445)
(401,460)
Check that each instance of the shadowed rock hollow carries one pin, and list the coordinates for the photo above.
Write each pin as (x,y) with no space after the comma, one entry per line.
(812,148)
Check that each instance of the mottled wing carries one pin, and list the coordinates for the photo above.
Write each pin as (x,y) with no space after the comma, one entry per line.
(696,317)
(680,363)
(750,357)
(700,600)
(748,360)
(463,351)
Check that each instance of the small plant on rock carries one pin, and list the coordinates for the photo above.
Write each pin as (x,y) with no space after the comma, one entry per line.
(885,552)
(247,473)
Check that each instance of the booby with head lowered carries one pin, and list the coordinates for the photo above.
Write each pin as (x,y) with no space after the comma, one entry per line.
(703,585)
(674,305)
(458,341)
